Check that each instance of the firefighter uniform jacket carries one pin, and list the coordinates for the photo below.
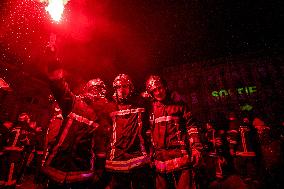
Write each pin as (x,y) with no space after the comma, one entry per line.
(72,156)
(18,142)
(4,133)
(241,138)
(128,147)
(174,134)
(215,153)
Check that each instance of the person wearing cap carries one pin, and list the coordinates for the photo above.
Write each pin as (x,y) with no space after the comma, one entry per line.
(127,156)
(72,159)
(175,137)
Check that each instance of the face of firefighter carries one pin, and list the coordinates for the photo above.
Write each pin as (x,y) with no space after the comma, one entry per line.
(93,92)
(96,91)
(232,116)
(24,118)
(123,91)
(261,128)
(209,126)
(32,124)
(159,93)
(246,120)
(8,124)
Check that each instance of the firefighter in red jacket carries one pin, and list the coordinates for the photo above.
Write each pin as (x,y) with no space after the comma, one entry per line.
(4,138)
(272,158)
(127,157)
(71,162)
(16,151)
(175,138)
(243,147)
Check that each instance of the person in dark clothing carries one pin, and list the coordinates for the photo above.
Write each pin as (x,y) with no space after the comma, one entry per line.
(243,148)
(39,139)
(175,137)
(4,134)
(15,151)
(128,153)
(214,166)
(4,138)
(71,162)
(272,159)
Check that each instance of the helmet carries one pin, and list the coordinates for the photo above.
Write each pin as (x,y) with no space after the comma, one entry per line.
(232,116)
(153,82)
(122,79)
(95,88)
(24,117)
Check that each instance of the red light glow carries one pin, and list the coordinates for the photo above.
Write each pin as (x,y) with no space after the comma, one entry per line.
(55,8)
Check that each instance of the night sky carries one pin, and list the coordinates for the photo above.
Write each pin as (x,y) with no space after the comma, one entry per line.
(101,38)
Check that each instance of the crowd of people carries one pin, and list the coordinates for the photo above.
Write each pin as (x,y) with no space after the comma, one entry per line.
(148,140)
(21,146)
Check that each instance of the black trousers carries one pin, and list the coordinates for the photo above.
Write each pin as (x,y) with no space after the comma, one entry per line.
(76,185)
(141,178)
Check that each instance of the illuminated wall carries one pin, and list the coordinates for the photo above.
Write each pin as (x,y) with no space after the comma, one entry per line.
(215,87)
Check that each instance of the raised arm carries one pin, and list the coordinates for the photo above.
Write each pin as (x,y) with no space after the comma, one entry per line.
(58,85)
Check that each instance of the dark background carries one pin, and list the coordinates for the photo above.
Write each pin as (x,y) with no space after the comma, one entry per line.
(102,38)
(107,37)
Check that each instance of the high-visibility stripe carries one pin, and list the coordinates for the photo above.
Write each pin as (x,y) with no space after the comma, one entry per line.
(10,176)
(13,148)
(16,137)
(127,164)
(142,142)
(80,118)
(232,131)
(172,164)
(250,154)
(192,130)
(243,130)
(100,155)
(68,177)
(62,138)
(112,144)
(127,111)
(10,183)
(166,119)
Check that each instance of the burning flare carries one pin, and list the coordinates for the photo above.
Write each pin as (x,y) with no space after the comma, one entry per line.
(55,8)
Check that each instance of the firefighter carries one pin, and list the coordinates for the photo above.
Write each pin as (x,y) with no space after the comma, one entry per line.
(214,161)
(243,147)
(175,136)
(271,161)
(127,156)
(16,151)
(4,139)
(71,162)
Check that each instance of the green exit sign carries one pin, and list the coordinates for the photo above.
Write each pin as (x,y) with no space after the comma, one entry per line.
(238,91)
